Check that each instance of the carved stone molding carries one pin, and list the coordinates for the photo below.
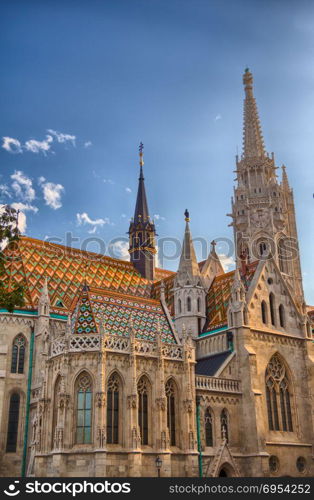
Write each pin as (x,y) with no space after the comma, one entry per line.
(188,405)
(161,403)
(101,437)
(100,399)
(132,401)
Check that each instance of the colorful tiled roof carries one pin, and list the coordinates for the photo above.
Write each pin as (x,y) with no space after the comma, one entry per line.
(114,313)
(67,269)
(219,295)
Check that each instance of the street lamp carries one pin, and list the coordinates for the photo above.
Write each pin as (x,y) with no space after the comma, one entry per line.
(158,463)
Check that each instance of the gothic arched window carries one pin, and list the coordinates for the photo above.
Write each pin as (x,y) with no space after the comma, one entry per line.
(278,394)
(84,409)
(208,427)
(13,422)
(282,256)
(224,424)
(189,304)
(171,411)
(179,305)
(18,354)
(55,409)
(142,391)
(282,318)
(113,391)
(272,308)
(198,304)
(264,312)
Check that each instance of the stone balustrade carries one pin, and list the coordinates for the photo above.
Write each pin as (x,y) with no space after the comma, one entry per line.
(76,343)
(217,384)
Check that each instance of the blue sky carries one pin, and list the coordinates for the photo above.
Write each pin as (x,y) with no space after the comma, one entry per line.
(83,82)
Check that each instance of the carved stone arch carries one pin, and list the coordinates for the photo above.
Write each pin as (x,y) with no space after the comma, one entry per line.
(76,376)
(18,353)
(119,375)
(173,410)
(280,394)
(144,373)
(226,470)
(21,415)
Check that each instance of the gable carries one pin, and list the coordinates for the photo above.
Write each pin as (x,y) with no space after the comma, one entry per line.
(279,310)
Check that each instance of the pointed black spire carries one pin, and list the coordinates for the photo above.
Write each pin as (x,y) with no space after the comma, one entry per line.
(141,213)
(142,231)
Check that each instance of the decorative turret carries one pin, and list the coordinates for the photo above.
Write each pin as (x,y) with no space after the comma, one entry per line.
(237,309)
(44,301)
(189,289)
(142,246)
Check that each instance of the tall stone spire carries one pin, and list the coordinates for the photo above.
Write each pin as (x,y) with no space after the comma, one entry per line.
(189,290)
(142,230)
(253,143)
(188,266)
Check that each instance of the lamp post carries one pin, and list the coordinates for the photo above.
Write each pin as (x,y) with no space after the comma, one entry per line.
(158,463)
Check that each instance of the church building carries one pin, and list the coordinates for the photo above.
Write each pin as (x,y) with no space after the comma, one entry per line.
(119,368)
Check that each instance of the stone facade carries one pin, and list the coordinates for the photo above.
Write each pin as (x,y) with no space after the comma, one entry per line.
(125,354)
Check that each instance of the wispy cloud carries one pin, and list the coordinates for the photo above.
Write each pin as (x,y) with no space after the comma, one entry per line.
(88,144)
(24,207)
(35,146)
(52,193)
(12,145)
(5,190)
(61,137)
(128,190)
(119,250)
(23,186)
(218,117)
(84,218)
(159,217)
(227,262)
(109,181)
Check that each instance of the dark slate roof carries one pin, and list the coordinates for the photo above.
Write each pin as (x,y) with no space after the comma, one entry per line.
(209,365)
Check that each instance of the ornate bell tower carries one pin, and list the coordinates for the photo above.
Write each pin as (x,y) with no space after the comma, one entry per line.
(142,245)
(262,208)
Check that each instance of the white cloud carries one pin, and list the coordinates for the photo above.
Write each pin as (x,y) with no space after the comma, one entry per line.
(23,186)
(109,181)
(12,145)
(35,146)
(128,190)
(84,218)
(24,207)
(88,144)
(52,193)
(159,217)
(226,261)
(218,117)
(62,138)
(5,190)
(123,216)
(119,250)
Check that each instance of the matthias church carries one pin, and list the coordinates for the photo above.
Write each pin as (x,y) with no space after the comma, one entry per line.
(119,368)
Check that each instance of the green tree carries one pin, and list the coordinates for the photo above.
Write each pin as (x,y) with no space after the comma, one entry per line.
(9,236)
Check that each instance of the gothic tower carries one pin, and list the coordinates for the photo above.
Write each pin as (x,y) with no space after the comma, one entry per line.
(189,289)
(262,208)
(142,246)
